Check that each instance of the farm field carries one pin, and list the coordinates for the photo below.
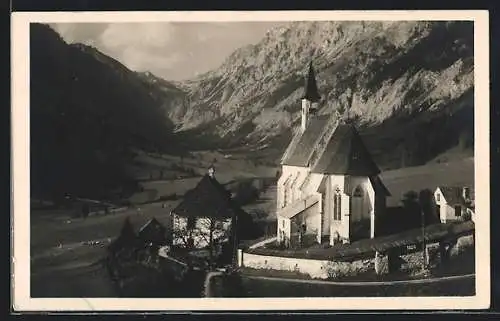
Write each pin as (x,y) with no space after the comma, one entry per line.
(72,281)
(47,232)
(459,173)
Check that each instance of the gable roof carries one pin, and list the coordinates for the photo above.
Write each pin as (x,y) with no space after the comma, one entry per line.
(208,199)
(379,186)
(453,194)
(152,225)
(305,142)
(153,232)
(346,153)
(298,207)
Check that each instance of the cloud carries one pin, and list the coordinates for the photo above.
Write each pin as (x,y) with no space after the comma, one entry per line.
(145,35)
(87,33)
(172,50)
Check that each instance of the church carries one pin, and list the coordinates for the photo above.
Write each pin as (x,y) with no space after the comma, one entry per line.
(329,189)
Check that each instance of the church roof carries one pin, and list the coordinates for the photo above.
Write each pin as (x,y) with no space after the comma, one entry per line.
(305,142)
(379,186)
(299,207)
(208,199)
(346,154)
(311,88)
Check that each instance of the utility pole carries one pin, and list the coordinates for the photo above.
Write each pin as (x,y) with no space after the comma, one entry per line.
(424,255)
(234,251)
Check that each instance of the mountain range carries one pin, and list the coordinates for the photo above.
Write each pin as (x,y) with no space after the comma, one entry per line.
(408,86)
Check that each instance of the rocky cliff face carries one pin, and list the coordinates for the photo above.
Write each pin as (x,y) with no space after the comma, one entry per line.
(418,73)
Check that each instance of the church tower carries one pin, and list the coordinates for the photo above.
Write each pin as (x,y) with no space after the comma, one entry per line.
(311,97)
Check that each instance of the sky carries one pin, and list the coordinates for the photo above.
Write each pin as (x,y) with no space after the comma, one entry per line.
(171,50)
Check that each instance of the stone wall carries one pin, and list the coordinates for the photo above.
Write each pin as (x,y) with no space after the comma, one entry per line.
(382,263)
(317,269)
(463,243)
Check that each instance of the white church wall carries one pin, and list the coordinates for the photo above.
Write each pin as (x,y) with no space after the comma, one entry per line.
(289,175)
(313,183)
(284,228)
(368,202)
(338,227)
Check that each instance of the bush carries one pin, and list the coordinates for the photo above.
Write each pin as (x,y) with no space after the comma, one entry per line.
(259,213)
(246,193)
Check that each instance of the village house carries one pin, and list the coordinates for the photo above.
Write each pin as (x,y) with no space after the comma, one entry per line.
(125,247)
(207,218)
(329,188)
(152,235)
(142,245)
(454,203)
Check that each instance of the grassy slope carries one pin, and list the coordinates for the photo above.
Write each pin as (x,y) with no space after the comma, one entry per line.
(459,172)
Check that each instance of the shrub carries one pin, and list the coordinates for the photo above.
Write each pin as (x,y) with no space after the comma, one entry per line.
(246,193)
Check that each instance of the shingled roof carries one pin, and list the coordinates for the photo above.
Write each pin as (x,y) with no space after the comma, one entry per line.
(300,154)
(379,186)
(346,154)
(153,231)
(453,195)
(208,199)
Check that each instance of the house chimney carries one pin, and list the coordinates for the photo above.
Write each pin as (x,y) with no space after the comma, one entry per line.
(211,171)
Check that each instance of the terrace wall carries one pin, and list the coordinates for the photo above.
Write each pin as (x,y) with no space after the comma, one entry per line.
(328,269)
(318,269)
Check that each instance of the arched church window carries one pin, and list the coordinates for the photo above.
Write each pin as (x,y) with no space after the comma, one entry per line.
(284,195)
(337,204)
(358,192)
(286,186)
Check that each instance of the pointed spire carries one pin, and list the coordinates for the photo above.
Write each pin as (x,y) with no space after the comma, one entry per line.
(311,88)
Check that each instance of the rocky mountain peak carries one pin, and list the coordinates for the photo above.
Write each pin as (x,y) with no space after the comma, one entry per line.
(369,71)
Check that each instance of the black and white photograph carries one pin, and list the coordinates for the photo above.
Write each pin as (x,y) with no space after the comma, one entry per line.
(269,156)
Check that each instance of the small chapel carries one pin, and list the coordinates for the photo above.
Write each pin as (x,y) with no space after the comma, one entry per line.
(329,189)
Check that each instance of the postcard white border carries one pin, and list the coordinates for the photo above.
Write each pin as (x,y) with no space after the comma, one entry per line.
(20,168)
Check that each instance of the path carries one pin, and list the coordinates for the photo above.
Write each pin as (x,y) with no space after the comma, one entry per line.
(257,287)
(206,286)
(368,283)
